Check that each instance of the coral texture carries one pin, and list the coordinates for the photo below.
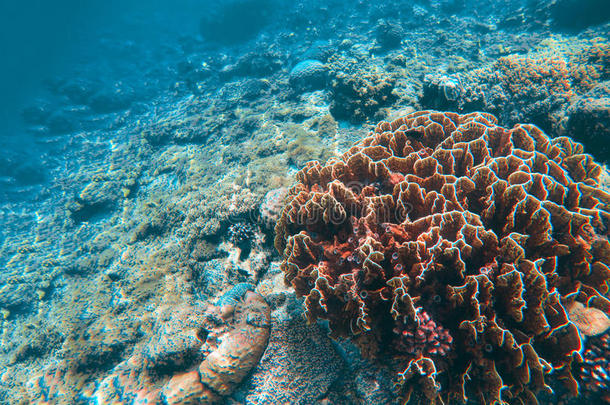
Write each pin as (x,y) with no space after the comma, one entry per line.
(423,336)
(493,232)
(241,233)
(196,355)
(271,206)
(595,369)
(591,65)
(298,367)
(358,98)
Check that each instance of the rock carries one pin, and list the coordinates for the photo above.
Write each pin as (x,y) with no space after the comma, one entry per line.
(256,64)
(112,100)
(60,122)
(565,15)
(23,168)
(79,91)
(441,92)
(590,321)
(589,121)
(271,206)
(319,50)
(97,198)
(37,114)
(388,34)
(308,75)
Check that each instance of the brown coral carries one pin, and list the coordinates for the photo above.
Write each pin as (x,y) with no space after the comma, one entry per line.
(591,65)
(195,355)
(491,231)
(357,98)
(522,76)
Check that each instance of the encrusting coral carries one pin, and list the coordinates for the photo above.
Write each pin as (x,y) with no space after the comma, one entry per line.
(492,233)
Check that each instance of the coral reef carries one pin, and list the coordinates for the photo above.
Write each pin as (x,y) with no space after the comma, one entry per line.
(591,64)
(547,87)
(140,156)
(537,84)
(515,87)
(196,354)
(493,232)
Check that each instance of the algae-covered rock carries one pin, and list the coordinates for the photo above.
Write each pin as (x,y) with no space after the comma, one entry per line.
(308,75)
(589,120)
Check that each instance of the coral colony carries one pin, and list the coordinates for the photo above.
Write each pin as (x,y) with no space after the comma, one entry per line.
(466,241)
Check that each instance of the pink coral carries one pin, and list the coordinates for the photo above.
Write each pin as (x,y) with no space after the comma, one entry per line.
(422,336)
(594,371)
(271,206)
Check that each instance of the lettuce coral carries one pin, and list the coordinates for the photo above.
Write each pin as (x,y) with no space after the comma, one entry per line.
(492,233)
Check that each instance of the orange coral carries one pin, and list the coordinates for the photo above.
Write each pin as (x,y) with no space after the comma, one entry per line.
(522,76)
(490,231)
(591,65)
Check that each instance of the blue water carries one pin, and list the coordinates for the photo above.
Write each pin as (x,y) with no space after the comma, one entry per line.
(134,133)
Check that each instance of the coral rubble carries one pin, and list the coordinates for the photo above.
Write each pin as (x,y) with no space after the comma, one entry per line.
(475,238)
(196,354)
